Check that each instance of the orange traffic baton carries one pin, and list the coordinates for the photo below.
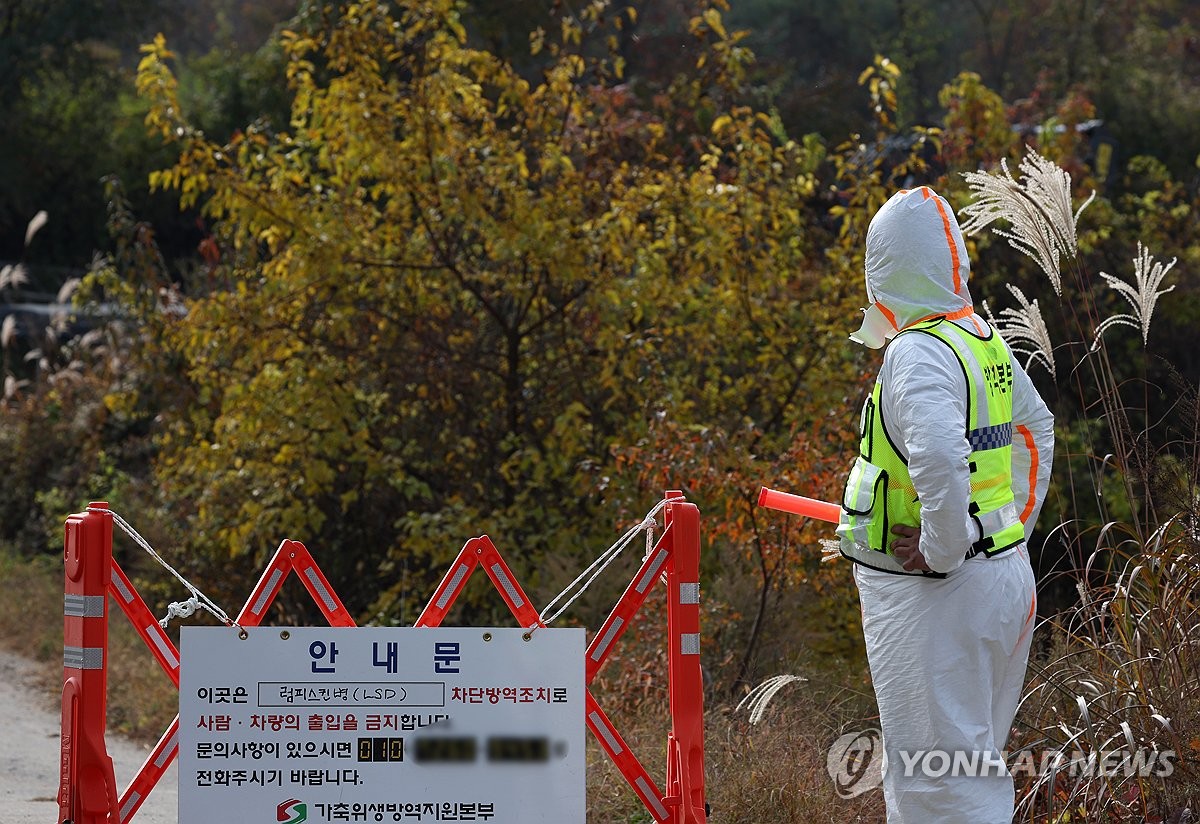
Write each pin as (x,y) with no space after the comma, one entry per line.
(799,505)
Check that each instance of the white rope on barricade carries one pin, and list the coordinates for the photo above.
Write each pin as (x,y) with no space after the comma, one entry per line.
(605,558)
(187,608)
(178,609)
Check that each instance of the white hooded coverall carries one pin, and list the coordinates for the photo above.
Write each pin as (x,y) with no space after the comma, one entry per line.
(947,655)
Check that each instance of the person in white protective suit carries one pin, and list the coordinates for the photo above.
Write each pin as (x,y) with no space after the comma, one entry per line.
(952,472)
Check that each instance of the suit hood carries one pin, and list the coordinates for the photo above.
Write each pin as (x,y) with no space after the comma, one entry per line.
(916,265)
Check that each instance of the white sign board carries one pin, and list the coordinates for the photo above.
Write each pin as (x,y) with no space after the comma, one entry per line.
(381,724)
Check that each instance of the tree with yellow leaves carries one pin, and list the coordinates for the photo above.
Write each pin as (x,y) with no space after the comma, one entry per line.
(447,295)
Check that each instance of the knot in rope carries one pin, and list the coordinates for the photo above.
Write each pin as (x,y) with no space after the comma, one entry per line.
(180,609)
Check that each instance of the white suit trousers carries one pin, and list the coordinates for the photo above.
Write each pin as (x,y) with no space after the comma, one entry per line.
(948,659)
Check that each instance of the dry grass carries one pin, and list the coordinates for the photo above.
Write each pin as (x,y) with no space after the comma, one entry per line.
(776,770)
(31,623)
(772,772)
(1121,674)
(1118,671)
(141,699)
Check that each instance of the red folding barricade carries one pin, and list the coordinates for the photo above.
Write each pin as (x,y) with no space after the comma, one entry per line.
(87,787)
(87,790)
(675,559)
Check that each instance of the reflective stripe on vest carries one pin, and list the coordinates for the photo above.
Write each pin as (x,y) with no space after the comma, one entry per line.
(880,473)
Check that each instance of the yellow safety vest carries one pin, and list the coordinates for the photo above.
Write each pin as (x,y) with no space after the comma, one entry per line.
(879,491)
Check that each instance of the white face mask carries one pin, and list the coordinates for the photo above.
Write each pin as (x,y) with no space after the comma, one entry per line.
(876,329)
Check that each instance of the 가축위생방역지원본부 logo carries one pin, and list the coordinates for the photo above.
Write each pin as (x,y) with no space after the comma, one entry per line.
(292,811)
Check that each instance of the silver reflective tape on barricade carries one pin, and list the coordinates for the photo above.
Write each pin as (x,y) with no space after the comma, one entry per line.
(651,573)
(130,803)
(689,593)
(315,580)
(83,606)
(648,793)
(513,595)
(455,580)
(605,733)
(607,638)
(120,587)
(154,631)
(689,643)
(165,756)
(83,657)
(261,603)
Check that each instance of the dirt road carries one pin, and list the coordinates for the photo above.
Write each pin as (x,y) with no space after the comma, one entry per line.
(29,736)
